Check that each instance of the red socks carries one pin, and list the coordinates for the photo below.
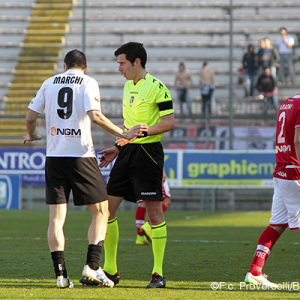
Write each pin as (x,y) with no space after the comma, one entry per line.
(164,207)
(264,246)
(140,218)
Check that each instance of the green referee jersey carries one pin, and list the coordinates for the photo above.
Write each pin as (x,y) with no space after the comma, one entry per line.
(145,103)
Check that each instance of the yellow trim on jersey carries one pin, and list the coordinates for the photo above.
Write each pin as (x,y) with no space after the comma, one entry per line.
(145,103)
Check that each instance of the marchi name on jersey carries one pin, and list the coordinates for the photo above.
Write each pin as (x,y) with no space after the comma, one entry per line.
(67,79)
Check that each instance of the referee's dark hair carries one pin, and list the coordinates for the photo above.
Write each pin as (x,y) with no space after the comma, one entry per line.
(75,59)
(133,50)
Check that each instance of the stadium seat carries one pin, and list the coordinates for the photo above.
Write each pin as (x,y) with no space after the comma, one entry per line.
(37,60)
(40,32)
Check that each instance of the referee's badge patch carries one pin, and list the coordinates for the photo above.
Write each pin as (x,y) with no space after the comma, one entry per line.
(131,99)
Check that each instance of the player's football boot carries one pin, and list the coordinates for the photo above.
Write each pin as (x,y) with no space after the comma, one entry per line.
(259,280)
(147,231)
(157,281)
(87,281)
(141,240)
(115,278)
(63,282)
(96,276)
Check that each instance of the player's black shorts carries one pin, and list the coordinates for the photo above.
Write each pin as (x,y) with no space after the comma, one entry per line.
(79,174)
(137,172)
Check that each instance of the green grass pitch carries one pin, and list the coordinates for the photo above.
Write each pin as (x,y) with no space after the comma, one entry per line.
(202,248)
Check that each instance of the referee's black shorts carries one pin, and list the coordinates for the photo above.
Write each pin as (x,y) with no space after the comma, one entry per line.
(137,173)
(79,174)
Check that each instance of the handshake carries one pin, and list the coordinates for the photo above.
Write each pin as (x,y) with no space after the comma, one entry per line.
(137,131)
(131,134)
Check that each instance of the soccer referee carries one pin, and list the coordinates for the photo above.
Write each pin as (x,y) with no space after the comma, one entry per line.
(138,170)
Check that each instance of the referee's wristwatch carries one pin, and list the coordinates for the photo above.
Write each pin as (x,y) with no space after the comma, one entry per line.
(118,146)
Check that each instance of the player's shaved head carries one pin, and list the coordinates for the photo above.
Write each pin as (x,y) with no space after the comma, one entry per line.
(75,59)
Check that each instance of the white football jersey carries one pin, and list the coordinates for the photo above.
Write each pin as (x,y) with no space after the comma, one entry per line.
(66,99)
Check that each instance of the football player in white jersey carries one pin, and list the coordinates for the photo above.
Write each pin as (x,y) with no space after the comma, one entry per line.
(286,179)
(71,101)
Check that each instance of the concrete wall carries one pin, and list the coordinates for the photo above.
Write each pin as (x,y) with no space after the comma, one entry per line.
(182,199)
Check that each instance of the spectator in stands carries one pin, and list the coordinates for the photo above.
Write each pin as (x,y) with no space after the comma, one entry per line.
(266,86)
(207,86)
(269,57)
(250,65)
(260,53)
(285,43)
(183,82)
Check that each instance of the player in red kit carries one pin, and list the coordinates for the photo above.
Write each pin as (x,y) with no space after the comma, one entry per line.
(286,179)
(144,232)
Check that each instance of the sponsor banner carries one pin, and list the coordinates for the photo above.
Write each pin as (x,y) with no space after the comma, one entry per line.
(30,164)
(10,196)
(220,168)
(28,179)
(172,167)
(184,168)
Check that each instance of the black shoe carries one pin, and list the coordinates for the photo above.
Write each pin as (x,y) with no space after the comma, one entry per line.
(115,278)
(87,281)
(157,281)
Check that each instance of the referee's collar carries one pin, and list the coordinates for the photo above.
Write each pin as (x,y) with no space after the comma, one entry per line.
(142,79)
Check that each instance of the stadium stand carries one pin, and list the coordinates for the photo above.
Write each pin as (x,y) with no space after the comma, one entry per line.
(40,44)
(200,31)
(172,31)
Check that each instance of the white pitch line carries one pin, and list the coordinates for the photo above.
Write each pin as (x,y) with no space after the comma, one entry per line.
(169,240)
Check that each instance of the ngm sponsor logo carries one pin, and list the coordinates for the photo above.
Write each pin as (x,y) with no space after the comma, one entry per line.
(68,132)
(283,148)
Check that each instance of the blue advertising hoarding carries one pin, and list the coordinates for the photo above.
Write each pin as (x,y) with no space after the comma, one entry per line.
(184,168)
(26,162)
(30,164)
(228,168)
(191,168)
(10,196)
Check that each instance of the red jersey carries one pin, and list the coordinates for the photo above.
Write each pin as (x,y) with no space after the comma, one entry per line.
(287,165)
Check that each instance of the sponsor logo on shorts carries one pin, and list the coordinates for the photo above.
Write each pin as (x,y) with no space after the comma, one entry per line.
(148,193)
(282,174)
